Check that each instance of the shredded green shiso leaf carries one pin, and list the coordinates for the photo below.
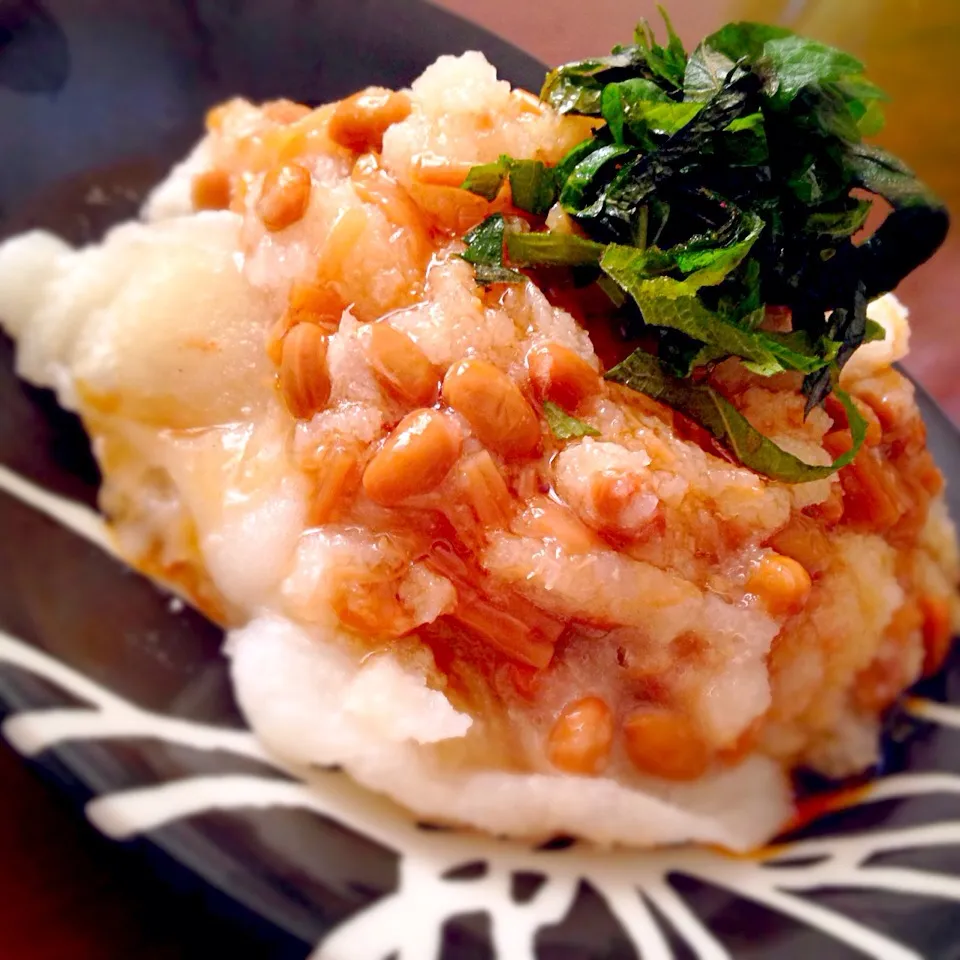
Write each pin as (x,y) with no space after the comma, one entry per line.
(717,184)
(565,427)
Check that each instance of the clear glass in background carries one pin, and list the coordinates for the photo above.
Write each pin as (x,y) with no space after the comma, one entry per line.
(912,49)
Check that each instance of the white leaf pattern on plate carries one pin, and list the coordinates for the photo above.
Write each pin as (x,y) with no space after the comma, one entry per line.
(410,920)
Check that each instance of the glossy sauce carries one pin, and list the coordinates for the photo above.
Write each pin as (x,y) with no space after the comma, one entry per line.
(541,573)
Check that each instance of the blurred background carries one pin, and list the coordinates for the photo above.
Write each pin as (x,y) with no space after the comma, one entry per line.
(911,49)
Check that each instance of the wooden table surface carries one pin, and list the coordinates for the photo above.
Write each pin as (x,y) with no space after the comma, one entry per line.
(66,894)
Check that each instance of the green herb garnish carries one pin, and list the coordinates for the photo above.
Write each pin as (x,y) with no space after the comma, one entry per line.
(719,184)
(552,250)
(565,427)
(532,183)
(485,252)
(646,374)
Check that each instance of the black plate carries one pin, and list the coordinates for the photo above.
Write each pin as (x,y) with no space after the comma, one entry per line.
(97,98)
